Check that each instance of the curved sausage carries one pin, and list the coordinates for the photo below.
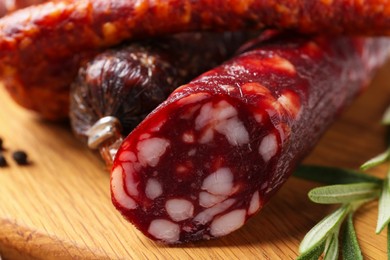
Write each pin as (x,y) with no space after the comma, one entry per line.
(50,38)
(129,81)
(211,156)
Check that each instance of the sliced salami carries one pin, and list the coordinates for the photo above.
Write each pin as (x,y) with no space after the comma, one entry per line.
(212,155)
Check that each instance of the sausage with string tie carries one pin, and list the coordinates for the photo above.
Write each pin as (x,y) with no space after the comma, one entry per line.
(129,81)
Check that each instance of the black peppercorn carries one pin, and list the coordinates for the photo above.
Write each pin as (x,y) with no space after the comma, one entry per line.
(3,161)
(20,157)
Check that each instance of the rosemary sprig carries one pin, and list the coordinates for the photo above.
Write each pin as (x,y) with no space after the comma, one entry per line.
(350,245)
(323,230)
(314,253)
(328,230)
(384,199)
(332,247)
(344,193)
(351,189)
(377,160)
(386,117)
(384,208)
(388,242)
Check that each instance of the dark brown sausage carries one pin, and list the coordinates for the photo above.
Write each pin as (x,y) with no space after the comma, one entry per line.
(128,82)
(208,158)
(49,38)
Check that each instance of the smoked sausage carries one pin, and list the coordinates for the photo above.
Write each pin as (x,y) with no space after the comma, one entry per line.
(213,154)
(53,38)
(129,81)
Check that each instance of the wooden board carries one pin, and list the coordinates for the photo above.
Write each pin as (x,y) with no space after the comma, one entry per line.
(59,206)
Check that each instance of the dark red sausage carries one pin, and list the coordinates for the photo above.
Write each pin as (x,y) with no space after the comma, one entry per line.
(128,82)
(46,38)
(218,148)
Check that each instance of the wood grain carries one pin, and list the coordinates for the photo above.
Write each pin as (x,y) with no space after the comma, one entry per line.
(59,207)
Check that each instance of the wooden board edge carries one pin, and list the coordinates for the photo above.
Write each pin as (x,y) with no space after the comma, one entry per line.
(18,242)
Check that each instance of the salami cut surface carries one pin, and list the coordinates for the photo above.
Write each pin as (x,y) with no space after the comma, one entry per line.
(211,156)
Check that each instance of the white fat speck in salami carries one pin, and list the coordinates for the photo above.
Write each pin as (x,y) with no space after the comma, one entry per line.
(228,88)
(153,188)
(128,157)
(283,64)
(150,150)
(188,138)
(165,230)
(223,110)
(157,127)
(208,214)
(179,209)
(204,116)
(118,190)
(219,182)
(223,119)
(131,183)
(234,130)
(268,147)
(228,223)
(208,200)
(290,101)
(210,115)
(256,88)
(194,98)
(254,206)
(192,152)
